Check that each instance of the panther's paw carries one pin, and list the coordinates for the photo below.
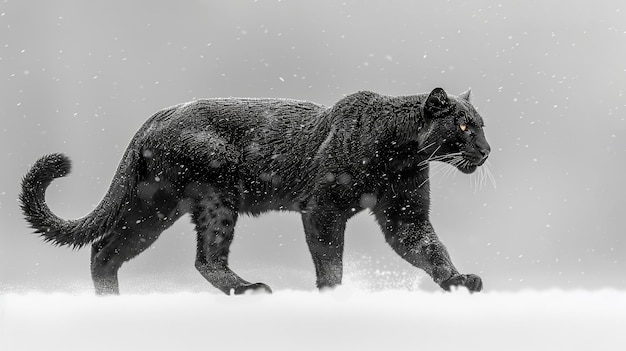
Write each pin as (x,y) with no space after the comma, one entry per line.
(471,281)
(252,288)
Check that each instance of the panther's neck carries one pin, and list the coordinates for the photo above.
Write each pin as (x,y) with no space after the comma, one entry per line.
(393,118)
(370,126)
(400,118)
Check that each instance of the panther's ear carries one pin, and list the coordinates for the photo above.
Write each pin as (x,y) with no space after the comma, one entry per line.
(466,95)
(437,99)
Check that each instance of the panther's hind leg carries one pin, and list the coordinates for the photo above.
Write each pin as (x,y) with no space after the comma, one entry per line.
(104,265)
(108,255)
(214,215)
(132,235)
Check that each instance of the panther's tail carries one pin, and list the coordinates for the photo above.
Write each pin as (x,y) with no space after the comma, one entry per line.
(79,232)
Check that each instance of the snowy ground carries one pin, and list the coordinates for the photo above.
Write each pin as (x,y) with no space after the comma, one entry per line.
(344,319)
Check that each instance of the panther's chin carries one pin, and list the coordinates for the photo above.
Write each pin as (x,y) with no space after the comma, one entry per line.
(467,169)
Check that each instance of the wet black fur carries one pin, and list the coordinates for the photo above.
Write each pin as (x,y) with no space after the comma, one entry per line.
(217,158)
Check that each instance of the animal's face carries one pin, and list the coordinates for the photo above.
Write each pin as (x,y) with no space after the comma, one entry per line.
(454,131)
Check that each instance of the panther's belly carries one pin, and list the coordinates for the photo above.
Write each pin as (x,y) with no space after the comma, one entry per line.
(257,201)
(274,184)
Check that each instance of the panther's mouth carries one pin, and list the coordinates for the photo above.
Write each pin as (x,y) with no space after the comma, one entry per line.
(467,168)
(470,162)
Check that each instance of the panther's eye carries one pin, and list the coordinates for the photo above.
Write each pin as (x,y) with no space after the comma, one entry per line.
(463,127)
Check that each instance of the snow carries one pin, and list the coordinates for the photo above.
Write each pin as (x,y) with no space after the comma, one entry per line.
(301,320)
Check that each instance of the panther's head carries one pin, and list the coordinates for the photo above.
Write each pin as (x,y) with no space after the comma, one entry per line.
(453,131)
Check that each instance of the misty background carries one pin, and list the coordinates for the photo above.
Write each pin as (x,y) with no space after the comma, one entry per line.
(548,77)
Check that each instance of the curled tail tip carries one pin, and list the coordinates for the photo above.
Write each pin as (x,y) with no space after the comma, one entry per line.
(42,220)
(32,195)
(43,171)
(53,165)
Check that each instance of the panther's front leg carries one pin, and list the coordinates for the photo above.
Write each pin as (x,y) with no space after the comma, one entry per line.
(324,229)
(417,243)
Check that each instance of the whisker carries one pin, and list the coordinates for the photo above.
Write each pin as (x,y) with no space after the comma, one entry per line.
(429,157)
(439,168)
(438,158)
(448,169)
(485,174)
(454,159)
(448,163)
(455,162)
(483,177)
(434,152)
(436,169)
(490,175)
(425,147)
(480,181)
(445,168)
(425,180)
(452,154)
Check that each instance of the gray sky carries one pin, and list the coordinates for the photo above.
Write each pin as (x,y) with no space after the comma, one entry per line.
(548,76)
